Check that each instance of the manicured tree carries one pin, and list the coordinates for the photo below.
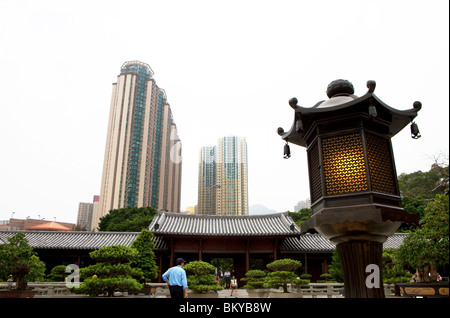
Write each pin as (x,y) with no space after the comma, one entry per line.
(326,278)
(200,277)
(282,273)
(254,279)
(18,258)
(57,274)
(112,272)
(393,272)
(146,257)
(428,247)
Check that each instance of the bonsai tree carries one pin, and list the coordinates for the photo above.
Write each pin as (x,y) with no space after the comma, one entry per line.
(306,276)
(326,278)
(146,257)
(200,277)
(112,272)
(428,247)
(57,274)
(254,279)
(393,272)
(18,258)
(282,273)
(302,280)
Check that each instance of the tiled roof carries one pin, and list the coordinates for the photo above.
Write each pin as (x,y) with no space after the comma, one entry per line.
(307,243)
(179,224)
(315,243)
(73,239)
(395,240)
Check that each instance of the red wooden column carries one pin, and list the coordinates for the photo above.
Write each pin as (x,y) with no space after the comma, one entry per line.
(200,250)
(160,269)
(172,248)
(247,256)
(275,250)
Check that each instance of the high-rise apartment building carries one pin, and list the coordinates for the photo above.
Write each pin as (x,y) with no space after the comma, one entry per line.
(142,163)
(304,204)
(84,219)
(207,181)
(223,178)
(95,212)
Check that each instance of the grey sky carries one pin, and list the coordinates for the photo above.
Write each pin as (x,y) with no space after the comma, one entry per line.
(228,67)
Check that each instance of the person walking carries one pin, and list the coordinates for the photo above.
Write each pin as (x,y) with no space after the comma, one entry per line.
(176,280)
(220,274)
(234,285)
(227,278)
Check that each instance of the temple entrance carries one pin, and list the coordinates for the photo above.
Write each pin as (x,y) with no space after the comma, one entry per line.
(260,260)
(233,262)
(224,263)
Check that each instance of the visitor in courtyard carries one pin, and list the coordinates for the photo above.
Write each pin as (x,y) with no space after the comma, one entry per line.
(234,285)
(220,274)
(176,280)
(227,278)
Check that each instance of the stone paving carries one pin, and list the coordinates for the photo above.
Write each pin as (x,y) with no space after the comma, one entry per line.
(225,293)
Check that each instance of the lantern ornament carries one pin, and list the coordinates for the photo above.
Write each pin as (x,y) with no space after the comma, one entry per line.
(354,191)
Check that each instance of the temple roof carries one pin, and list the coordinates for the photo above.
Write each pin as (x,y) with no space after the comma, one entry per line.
(81,240)
(179,224)
(315,243)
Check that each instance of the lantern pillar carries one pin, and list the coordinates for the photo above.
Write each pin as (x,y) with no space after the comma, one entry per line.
(356,259)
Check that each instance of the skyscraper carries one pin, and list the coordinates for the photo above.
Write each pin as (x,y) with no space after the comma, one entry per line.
(84,218)
(207,179)
(142,163)
(223,178)
(87,212)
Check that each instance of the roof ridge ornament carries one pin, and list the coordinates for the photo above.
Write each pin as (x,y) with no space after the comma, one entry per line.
(371,86)
(293,102)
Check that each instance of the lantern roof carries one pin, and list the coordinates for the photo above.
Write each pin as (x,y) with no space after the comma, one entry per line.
(342,102)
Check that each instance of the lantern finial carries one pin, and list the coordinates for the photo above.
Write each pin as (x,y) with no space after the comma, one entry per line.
(340,87)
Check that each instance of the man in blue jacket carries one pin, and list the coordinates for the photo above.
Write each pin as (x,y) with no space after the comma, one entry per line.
(177,280)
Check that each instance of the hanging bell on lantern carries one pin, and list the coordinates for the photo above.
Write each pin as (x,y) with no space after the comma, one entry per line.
(372,111)
(287,151)
(415,133)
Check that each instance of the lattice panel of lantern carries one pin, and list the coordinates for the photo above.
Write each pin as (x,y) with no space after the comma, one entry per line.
(380,165)
(344,166)
(314,173)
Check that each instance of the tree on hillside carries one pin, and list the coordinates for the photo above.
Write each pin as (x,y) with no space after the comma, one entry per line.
(300,216)
(419,188)
(132,219)
(425,185)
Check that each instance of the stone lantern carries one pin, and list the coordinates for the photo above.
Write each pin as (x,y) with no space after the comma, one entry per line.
(355,198)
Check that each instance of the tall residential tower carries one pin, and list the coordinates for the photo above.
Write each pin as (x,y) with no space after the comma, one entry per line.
(223,178)
(207,181)
(142,163)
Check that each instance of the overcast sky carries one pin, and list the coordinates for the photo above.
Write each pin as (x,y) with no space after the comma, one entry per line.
(228,68)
